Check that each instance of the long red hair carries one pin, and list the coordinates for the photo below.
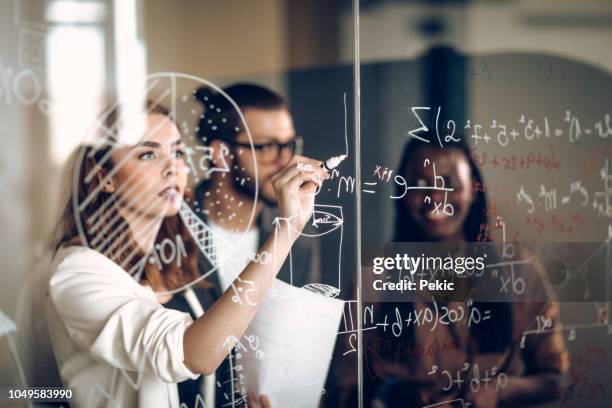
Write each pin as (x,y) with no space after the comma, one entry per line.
(102,228)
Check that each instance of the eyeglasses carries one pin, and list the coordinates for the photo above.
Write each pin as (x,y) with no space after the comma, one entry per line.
(269,152)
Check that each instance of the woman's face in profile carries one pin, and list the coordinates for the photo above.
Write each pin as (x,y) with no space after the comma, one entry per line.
(151,175)
(439,214)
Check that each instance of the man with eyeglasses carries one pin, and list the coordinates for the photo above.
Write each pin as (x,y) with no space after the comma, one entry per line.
(229,198)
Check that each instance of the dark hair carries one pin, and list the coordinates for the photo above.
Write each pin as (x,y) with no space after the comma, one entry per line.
(406,229)
(496,333)
(92,160)
(220,120)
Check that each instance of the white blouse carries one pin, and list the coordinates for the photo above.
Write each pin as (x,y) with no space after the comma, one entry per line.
(115,345)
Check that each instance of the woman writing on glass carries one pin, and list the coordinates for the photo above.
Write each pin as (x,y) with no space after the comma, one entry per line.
(113,340)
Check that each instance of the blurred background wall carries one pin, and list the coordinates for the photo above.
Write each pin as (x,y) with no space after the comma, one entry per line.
(62,61)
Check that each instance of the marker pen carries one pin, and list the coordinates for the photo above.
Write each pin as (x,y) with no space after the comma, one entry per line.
(333,162)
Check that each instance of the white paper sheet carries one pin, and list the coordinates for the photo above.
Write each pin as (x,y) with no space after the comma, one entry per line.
(287,349)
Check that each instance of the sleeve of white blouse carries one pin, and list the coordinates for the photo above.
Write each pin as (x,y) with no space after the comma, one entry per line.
(102,311)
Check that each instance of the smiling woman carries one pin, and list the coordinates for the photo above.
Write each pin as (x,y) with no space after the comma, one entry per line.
(527,371)
(112,309)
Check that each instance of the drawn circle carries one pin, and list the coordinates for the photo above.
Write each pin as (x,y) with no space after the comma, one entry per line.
(324,223)
(167,89)
(18,87)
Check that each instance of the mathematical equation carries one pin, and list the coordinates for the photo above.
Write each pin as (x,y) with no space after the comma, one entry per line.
(519,162)
(434,316)
(346,184)
(526,128)
(551,200)
(471,375)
